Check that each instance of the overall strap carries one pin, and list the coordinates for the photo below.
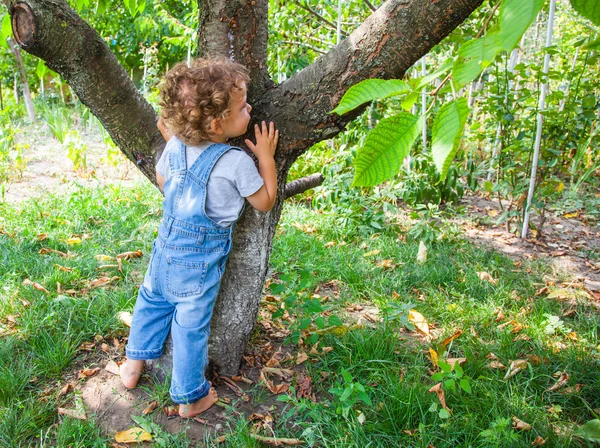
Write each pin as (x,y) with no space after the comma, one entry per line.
(206,161)
(177,160)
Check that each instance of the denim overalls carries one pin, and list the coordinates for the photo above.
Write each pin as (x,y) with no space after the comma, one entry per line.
(183,278)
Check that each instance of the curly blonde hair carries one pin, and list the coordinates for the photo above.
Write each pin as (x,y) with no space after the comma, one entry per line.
(192,97)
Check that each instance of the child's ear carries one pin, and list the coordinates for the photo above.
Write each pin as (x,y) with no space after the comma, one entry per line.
(215,127)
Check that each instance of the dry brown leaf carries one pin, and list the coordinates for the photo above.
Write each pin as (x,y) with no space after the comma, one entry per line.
(560,382)
(37,286)
(434,357)
(372,252)
(440,394)
(242,379)
(499,314)
(302,357)
(538,441)
(125,317)
(386,264)
(496,365)
(491,355)
(419,322)
(520,424)
(276,441)
(102,281)
(487,277)
(151,406)
(326,350)
(410,432)
(572,390)
(73,413)
(453,361)
(572,336)
(86,373)
(515,367)
(170,411)
(65,390)
(112,367)
(42,236)
(313,350)
(451,338)
(63,268)
(304,388)
(330,244)
(46,250)
(129,255)
(133,435)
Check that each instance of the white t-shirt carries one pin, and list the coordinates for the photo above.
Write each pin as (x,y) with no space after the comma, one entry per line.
(233,178)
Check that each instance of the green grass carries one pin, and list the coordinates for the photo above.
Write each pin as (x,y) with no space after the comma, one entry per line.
(41,333)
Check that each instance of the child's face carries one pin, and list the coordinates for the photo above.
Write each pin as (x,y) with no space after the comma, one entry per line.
(239,116)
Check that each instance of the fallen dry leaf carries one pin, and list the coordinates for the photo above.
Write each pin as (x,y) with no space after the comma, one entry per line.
(125,317)
(325,350)
(102,281)
(491,355)
(515,367)
(63,268)
(37,286)
(302,357)
(133,435)
(560,382)
(486,276)
(372,252)
(453,361)
(73,241)
(65,390)
(422,253)
(112,367)
(276,441)
(304,388)
(440,394)
(151,406)
(87,373)
(499,314)
(538,441)
(451,338)
(170,411)
(520,424)
(419,322)
(129,255)
(46,250)
(496,365)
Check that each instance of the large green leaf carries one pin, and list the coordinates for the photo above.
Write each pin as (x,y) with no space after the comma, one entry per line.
(5,30)
(446,65)
(590,431)
(385,148)
(369,90)
(41,70)
(588,8)
(515,18)
(474,56)
(447,132)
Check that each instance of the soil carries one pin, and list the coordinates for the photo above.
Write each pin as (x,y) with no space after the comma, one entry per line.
(567,244)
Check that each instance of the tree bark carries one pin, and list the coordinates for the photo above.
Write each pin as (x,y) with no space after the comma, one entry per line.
(385,46)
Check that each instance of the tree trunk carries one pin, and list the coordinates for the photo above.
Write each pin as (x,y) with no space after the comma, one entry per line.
(16,51)
(385,46)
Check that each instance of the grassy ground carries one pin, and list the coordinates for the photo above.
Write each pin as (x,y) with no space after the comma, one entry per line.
(371,389)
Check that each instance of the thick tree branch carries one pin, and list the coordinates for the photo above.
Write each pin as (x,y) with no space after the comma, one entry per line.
(238,30)
(389,42)
(52,31)
(303,184)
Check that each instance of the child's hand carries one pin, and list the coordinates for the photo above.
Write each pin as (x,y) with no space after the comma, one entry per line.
(266,141)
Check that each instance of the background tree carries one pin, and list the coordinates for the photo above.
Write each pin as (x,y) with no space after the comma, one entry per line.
(389,42)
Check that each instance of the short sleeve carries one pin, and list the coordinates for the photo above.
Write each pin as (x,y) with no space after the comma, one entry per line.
(162,166)
(247,179)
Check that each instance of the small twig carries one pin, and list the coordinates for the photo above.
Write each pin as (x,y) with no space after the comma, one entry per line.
(303,184)
(302,44)
(370,5)
(320,17)
(276,441)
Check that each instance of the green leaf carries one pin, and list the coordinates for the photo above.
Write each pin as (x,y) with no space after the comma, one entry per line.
(594,45)
(41,70)
(409,100)
(365,398)
(335,321)
(101,6)
(444,365)
(458,370)
(444,413)
(346,394)
(589,431)
(320,322)
(369,90)
(346,375)
(5,31)
(450,384)
(589,9)
(446,133)
(473,57)
(464,385)
(446,65)
(438,376)
(304,323)
(385,148)
(515,18)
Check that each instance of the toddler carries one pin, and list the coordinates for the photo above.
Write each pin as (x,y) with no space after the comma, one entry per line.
(204,181)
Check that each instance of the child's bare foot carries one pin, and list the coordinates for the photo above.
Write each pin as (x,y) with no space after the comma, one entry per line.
(193,409)
(131,372)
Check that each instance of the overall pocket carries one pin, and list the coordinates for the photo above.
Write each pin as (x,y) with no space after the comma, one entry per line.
(185,278)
